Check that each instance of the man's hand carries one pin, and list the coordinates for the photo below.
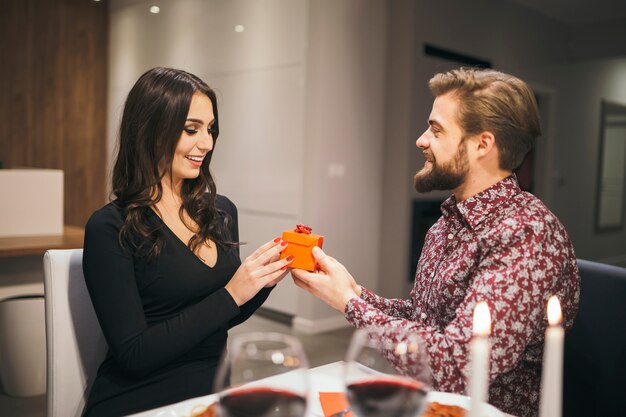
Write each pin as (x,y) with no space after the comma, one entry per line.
(331,283)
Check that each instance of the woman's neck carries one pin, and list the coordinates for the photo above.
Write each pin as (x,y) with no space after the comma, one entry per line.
(171,192)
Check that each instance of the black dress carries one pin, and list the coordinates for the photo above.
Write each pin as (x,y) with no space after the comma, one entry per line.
(165,322)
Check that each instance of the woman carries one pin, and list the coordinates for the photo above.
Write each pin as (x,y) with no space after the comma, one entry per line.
(161,261)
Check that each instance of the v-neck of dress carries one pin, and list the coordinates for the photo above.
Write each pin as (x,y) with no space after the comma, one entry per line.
(180,242)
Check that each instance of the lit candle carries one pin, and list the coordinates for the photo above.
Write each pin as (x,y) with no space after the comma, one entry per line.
(479,359)
(552,373)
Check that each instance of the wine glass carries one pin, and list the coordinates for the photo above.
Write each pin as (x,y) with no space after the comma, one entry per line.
(386,376)
(264,375)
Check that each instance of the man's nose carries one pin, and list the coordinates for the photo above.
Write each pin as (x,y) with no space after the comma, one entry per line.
(422,142)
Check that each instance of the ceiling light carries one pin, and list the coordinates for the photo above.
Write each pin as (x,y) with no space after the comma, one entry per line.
(239,28)
(155,9)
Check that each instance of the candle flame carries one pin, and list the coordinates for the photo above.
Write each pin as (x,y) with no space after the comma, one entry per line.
(554,311)
(482,319)
(401,349)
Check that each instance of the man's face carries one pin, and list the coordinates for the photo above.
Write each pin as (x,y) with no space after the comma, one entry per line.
(444,148)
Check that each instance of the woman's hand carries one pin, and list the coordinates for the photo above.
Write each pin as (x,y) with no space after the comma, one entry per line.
(332,283)
(261,269)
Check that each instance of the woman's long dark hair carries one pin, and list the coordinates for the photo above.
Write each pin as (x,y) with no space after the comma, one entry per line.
(154,117)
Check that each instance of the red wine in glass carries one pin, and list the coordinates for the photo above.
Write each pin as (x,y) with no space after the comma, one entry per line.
(386,398)
(262,402)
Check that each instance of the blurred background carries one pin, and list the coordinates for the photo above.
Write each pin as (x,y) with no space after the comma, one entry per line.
(321,102)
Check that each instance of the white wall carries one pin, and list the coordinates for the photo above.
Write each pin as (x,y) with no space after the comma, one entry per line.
(321,103)
(259,75)
(344,129)
(580,87)
(510,37)
(301,94)
(398,152)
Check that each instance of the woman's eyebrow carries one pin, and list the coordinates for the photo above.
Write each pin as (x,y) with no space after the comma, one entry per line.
(200,121)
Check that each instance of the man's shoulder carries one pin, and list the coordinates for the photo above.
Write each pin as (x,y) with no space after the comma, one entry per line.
(531,207)
(527,212)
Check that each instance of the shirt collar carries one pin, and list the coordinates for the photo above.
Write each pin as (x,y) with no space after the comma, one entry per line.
(476,208)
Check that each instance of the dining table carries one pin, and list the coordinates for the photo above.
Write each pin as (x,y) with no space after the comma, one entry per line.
(326,378)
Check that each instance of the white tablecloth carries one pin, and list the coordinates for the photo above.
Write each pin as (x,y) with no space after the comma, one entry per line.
(325,378)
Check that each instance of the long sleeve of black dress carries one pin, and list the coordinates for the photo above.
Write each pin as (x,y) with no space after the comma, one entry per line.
(161,315)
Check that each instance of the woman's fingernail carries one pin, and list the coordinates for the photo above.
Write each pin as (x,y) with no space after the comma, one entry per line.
(289,258)
(284,268)
(284,243)
(316,250)
(277,240)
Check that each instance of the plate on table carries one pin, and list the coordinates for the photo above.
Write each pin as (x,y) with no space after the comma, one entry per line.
(444,398)
(461,401)
(181,409)
(185,408)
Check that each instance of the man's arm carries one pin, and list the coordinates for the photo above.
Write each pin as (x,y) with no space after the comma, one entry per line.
(515,278)
(395,307)
(334,285)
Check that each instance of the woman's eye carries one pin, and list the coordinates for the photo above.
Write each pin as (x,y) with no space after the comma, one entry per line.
(212,130)
(190,130)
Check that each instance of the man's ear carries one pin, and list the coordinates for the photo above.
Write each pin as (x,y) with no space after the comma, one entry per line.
(485,143)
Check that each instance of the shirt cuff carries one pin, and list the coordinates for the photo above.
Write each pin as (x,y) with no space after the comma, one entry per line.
(233,308)
(368,296)
(361,314)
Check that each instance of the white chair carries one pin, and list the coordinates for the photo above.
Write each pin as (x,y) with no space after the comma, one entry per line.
(74,341)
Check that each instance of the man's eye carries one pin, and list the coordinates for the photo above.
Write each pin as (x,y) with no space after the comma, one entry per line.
(190,131)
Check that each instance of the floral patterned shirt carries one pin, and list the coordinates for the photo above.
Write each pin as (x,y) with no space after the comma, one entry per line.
(502,246)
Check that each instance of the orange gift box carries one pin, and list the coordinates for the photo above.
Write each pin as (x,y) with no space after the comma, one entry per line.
(300,243)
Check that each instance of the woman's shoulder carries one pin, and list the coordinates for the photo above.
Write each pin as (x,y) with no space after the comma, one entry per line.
(224,203)
(110,214)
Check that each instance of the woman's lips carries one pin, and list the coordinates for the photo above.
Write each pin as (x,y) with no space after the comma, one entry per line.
(195,161)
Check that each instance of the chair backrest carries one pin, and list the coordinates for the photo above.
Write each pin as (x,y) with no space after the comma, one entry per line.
(594,369)
(74,341)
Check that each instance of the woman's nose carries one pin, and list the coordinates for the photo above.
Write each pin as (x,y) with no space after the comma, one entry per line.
(206,143)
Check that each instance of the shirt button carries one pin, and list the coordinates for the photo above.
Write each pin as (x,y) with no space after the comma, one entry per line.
(423,316)
(450,236)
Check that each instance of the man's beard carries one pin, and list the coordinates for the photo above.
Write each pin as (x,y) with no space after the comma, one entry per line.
(443,176)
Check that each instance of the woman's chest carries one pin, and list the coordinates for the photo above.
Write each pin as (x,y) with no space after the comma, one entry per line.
(179,278)
(206,251)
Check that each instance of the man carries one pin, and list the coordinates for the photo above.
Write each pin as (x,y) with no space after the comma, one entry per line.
(494,243)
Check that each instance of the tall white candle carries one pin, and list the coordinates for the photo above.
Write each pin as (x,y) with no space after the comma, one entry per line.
(479,359)
(552,373)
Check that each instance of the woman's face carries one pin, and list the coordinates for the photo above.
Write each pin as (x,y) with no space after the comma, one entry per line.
(196,139)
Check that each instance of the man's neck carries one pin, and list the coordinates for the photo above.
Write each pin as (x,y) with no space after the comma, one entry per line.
(476,183)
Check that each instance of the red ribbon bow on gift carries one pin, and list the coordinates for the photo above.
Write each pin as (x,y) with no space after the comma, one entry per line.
(303,228)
